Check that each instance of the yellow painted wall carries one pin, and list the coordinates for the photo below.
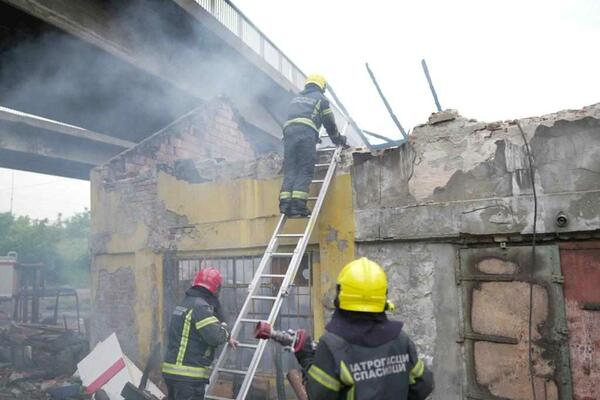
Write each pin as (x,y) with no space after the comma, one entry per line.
(223,218)
(336,242)
(125,245)
(226,215)
(242,215)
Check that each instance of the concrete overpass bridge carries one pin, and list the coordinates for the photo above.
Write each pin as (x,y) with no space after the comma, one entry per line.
(83,80)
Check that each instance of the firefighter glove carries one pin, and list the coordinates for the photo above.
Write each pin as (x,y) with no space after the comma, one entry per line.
(306,354)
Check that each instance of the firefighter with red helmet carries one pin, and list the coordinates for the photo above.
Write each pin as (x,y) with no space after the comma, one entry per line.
(196,329)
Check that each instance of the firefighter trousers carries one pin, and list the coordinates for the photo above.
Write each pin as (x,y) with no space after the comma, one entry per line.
(185,390)
(299,157)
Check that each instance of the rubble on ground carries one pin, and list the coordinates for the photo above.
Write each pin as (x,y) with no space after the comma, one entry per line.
(38,362)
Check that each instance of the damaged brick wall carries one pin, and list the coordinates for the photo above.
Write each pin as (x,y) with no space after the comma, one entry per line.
(209,133)
(114,304)
(131,227)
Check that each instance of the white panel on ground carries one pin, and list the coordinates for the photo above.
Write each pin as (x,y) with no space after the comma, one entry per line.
(107,368)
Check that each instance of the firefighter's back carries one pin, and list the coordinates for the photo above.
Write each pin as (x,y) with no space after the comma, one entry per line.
(381,372)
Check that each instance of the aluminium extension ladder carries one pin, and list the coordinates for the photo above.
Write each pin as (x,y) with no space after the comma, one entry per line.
(287,280)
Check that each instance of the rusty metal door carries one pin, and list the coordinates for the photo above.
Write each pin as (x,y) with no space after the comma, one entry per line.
(580,263)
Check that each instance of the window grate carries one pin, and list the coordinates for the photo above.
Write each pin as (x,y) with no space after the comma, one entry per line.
(296,311)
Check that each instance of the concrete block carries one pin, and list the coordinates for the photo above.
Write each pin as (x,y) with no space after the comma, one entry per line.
(442,116)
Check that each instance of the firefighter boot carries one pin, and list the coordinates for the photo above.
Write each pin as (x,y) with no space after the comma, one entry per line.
(284,206)
(298,209)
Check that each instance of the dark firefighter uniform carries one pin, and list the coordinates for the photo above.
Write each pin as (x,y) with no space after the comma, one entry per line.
(195,332)
(363,355)
(307,112)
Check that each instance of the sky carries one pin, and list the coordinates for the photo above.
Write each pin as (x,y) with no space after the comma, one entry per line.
(42,196)
(491,60)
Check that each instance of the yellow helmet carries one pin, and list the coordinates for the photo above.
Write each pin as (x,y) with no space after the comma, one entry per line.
(317,79)
(362,286)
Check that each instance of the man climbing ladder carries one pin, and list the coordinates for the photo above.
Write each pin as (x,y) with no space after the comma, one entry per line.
(307,112)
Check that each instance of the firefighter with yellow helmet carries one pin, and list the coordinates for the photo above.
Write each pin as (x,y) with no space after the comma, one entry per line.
(364,355)
(308,111)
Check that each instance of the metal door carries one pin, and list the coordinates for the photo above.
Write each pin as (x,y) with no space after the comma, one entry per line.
(580,263)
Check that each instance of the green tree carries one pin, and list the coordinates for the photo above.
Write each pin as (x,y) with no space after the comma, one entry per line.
(73,249)
(61,245)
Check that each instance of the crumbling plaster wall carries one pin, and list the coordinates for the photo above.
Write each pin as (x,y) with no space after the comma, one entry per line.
(240,211)
(457,181)
(467,177)
(131,226)
(421,277)
(205,186)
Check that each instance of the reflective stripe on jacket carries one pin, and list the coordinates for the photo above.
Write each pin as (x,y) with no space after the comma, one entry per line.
(311,108)
(194,334)
(342,370)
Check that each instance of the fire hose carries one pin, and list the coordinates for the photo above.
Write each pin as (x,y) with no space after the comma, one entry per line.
(291,340)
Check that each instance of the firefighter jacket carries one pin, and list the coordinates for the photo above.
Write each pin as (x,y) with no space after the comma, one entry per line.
(311,108)
(194,334)
(365,357)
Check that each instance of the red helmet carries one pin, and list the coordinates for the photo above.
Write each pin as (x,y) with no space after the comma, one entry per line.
(209,278)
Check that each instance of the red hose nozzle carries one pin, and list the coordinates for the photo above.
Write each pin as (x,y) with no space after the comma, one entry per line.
(262,330)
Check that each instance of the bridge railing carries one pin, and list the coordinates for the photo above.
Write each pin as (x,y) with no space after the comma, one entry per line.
(232,18)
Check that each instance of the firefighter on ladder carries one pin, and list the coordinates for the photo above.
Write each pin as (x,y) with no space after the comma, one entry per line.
(363,355)
(307,112)
(196,329)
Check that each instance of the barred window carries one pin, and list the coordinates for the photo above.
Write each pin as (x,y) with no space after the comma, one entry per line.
(238,271)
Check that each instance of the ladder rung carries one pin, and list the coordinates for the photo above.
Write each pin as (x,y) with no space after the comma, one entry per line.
(247,345)
(312,198)
(208,396)
(232,371)
(264,297)
(318,181)
(326,149)
(290,235)
(273,276)
(282,254)
(321,165)
(249,320)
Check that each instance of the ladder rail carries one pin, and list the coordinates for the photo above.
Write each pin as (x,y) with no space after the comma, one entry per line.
(293,267)
(255,280)
(283,292)
(291,275)
(303,243)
